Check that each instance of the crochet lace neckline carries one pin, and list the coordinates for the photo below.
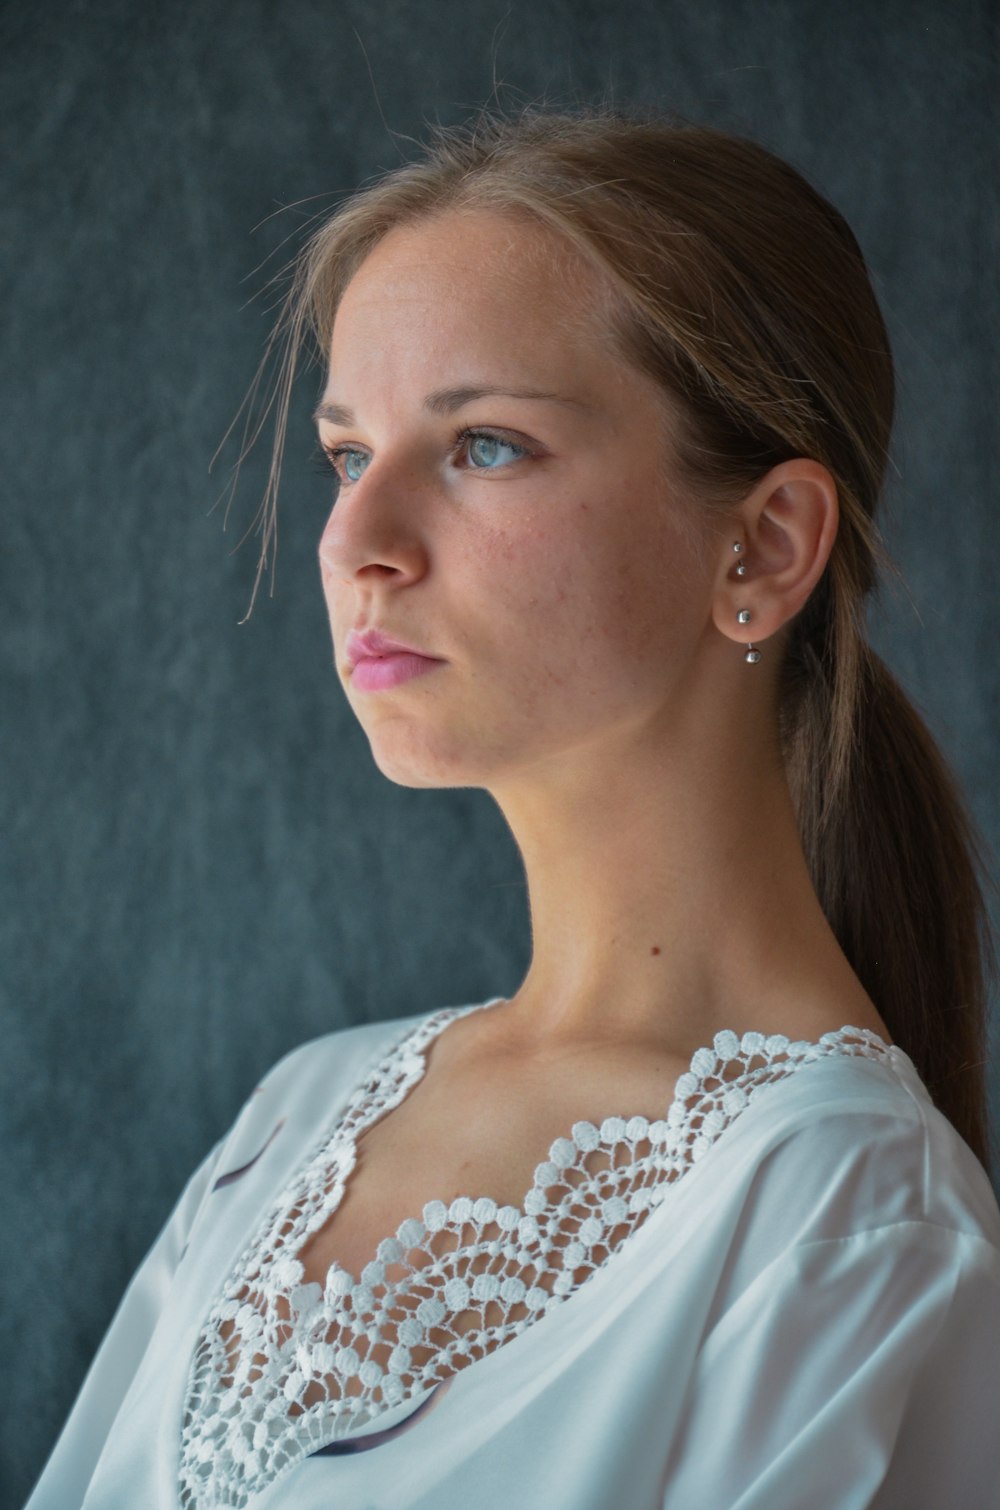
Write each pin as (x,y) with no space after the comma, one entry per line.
(283,1369)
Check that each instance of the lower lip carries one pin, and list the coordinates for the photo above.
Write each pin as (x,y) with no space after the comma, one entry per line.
(375,673)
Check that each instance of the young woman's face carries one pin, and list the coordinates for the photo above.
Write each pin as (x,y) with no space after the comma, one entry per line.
(542,559)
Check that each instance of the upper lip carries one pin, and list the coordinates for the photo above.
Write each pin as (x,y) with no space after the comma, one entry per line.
(374,643)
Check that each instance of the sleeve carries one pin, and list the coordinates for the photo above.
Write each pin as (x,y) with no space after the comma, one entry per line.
(858,1373)
(71,1464)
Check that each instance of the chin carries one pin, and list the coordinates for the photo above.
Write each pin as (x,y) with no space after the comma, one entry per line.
(410,778)
(416,769)
(421,766)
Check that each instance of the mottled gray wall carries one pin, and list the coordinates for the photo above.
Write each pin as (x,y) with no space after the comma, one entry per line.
(201,864)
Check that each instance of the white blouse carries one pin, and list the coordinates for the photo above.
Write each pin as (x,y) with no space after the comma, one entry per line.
(811,1316)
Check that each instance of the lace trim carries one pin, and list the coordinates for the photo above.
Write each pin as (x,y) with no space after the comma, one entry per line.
(282,1369)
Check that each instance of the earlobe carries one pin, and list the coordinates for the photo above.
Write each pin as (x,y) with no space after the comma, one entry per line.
(783,534)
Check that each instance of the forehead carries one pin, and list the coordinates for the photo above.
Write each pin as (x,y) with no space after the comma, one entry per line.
(477,270)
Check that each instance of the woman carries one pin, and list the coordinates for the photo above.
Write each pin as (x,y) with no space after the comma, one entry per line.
(700,1217)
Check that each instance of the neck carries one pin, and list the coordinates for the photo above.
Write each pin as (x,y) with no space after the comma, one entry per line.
(669,898)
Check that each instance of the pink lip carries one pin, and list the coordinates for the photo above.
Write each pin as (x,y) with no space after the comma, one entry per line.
(375,673)
(375,642)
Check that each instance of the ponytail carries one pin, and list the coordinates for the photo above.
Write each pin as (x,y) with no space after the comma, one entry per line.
(896,862)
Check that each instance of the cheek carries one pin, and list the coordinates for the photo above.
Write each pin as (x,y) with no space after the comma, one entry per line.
(643,592)
(568,593)
(324,551)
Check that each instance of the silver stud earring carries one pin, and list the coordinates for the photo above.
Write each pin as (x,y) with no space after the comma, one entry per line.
(743,617)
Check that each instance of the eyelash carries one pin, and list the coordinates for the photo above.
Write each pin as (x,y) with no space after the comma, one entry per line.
(328,455)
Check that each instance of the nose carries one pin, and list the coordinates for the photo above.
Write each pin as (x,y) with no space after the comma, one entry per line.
(371,531)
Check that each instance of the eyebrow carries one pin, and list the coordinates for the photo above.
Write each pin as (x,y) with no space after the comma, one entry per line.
(447,400)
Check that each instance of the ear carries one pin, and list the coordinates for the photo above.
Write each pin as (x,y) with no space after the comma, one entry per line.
(787,526)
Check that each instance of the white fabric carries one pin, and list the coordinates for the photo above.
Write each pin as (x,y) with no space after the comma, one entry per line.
(805,1310)
(282,1368)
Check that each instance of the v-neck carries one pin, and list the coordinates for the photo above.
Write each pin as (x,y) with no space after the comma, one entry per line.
(306,1338)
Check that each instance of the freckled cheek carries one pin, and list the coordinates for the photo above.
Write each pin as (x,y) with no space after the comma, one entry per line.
(518,566)
(331,585)
(327,545)
(324,553)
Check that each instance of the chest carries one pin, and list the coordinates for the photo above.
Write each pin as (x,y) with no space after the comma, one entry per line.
(480,1135)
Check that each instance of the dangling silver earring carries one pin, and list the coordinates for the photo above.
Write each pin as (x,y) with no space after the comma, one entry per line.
(743,617)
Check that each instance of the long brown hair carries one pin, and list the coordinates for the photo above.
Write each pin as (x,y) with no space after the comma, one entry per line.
(744,293)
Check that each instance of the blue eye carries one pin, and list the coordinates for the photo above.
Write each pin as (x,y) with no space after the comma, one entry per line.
(487,446)
(347,455)
(329,458)
(483,448)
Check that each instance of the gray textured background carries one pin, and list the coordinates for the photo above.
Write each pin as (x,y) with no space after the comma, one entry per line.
(201,864)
